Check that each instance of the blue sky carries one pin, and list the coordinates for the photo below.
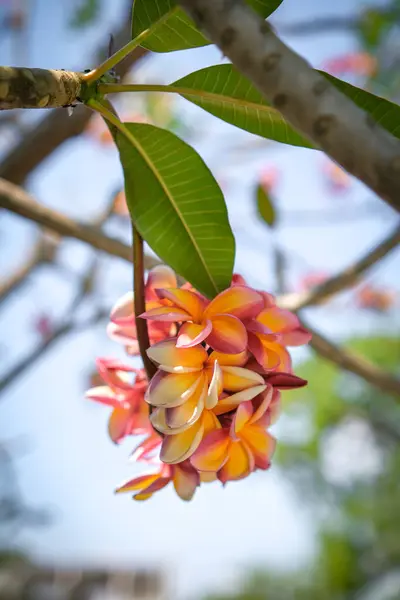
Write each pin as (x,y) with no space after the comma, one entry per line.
(70,465)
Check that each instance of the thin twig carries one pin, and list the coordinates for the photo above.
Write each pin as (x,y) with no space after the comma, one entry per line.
(59,332)
(43,252)
(344,279)
(305,98)
(16,200)
(355,364)
(140,303)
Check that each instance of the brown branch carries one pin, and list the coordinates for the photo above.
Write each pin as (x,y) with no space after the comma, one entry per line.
(139,303)
(355,364)
(38,88)
(16,200)
(345,279)
(304,97)
(69,326)
(59,127)
(43,252)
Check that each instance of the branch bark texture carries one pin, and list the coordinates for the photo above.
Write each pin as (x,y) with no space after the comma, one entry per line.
(38,88)
(16,200)
(58,126)
(305,98)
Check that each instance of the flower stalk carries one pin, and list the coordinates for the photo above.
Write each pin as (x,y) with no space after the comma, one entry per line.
(139,304)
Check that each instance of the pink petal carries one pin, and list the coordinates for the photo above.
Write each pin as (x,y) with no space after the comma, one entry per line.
(188,301)
(240,463)
(230,402)
(160,276)
(264,355)
(240,301)
(185,480)
(261,445)
(119,424)
(166,313)
(238,280)
(278,319)
(269,299)
(212,453)
(261,404)
(125,335)
(145,450)
(188,413)
(262,330)
(123,308)
(236,379)
(191,334)
(103,394)
(138,483)
(168,355)
(228,334)
(297,337)
(215,387)
(155,486)
(232,360)
(242,416)
(170,390)
(179,447)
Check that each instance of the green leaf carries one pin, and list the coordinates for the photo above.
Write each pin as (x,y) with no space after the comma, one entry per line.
(222,91)
(384,112)
(177,206)
(265,206)
(178,32)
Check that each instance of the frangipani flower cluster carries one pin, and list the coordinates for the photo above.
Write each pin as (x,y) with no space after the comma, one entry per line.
(221,366)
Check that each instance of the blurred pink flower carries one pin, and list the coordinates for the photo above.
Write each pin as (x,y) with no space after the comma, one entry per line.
(130,415)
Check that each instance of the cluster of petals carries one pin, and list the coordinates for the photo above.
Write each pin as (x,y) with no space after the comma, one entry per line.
(221,366)
(130,414)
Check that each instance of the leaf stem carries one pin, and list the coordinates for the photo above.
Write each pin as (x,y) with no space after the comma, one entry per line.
(118,56)
(139,302)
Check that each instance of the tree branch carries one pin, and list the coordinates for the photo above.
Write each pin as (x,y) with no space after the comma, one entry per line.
(38,88)
(345,279)
(59,332)
(43,252)
(16,200)
(354,363)
(59,127)
(303,96)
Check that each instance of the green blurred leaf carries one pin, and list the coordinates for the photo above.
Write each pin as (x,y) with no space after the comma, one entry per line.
(265,207)
(178,32)
(222,91)
(375,25)
(177,206)
(384,112)
(85,14)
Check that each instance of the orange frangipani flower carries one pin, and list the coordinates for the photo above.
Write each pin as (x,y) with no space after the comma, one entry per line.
(187,387)
(221,367)
(243,445)
(219,323)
